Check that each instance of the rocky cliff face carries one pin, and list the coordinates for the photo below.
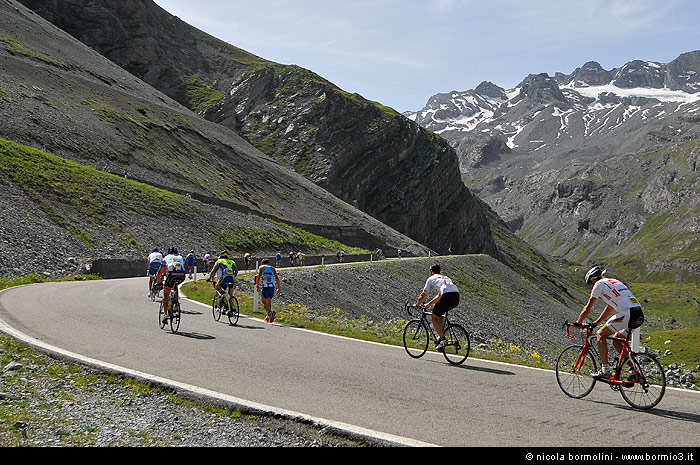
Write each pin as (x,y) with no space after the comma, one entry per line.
(365,154)
(60,96)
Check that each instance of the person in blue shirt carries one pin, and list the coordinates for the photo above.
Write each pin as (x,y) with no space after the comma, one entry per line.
(268,279)
(191,260)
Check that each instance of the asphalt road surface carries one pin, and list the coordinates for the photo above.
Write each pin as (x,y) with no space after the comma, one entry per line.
(370,388)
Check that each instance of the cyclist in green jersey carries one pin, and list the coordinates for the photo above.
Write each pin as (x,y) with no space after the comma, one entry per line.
(226,271)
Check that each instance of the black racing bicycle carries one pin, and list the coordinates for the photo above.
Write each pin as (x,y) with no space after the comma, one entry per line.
(171,315)
(225,304)
(156,287)
(418,331)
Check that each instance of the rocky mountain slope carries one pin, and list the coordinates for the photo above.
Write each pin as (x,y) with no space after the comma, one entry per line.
(58,95)
(134,130)
(593,165)
(358,150)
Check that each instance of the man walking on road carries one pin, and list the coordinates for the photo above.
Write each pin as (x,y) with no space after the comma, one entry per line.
(267,275)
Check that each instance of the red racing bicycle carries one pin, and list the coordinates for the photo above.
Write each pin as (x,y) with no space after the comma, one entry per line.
(638,376)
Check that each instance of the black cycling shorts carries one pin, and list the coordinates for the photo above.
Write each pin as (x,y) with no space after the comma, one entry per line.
(636,317)
(174,278)
(448,301)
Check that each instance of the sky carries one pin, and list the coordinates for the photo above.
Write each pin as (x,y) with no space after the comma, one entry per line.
(402,52)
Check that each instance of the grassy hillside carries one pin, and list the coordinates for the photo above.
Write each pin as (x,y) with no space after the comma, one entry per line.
(96,209)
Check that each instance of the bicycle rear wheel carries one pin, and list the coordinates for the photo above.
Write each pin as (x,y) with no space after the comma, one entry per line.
(647,382)
(457,349)
(233,310)
(175,317)
(574,372)
(415,338)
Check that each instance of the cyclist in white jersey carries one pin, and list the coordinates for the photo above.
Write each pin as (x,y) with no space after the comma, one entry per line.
(625,309)
(173,267)
(154,259)
(446,299)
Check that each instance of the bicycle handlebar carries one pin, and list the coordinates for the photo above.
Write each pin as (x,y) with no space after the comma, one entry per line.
(587,326)
(410,306)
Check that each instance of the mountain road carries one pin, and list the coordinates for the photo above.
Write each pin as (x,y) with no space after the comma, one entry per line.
(369,388)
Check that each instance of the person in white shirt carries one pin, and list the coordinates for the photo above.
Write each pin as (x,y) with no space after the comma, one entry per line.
(207,256)
(446,299)
(154,259)
(620,301)
(173,268)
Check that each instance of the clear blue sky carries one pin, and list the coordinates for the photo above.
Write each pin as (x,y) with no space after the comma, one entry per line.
(401,52)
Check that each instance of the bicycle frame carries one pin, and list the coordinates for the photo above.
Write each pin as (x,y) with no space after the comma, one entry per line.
(624,357)
(425,318)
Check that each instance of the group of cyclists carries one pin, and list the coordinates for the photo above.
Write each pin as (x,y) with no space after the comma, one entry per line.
(622,313)
(169,271)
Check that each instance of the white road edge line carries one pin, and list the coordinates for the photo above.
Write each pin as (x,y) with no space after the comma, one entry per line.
(198,392)
(494,362)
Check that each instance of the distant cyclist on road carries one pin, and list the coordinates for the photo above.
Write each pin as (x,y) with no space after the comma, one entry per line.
(225,270)
(627,314)
(446,299)
(267,276)
(173,267)
(154,259)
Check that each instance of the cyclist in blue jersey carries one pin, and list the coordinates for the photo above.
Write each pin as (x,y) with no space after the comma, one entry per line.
(225,271)
(267,277)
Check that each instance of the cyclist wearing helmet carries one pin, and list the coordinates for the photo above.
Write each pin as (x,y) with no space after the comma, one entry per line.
(154,259)
(226,271)
(446,299)
(173,267)
(620,301)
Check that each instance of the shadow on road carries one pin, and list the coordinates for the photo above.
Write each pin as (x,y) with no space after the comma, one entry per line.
(466,366)
(195,335)
(655,411)
(670,414)
(494,371)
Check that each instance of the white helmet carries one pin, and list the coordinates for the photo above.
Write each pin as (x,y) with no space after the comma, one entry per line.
(595,272)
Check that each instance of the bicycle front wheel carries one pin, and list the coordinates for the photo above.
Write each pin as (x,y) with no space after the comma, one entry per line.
(161,316)
(574,370)
(215,309)
(415,338)
(175,317)
(233,310)
(457,349)
(647,381)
